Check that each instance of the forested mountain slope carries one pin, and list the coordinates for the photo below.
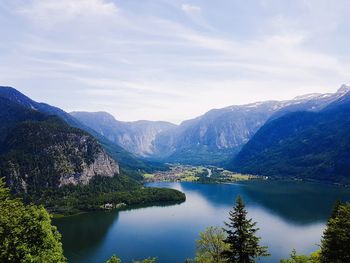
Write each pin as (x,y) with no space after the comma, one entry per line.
(19,100)
(310,145)
(47,154)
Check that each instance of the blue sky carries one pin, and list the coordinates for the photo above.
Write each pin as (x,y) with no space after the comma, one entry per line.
(171,59)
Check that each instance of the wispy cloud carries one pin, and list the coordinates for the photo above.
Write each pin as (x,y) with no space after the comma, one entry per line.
(191,9)
(52,11)
(176,56)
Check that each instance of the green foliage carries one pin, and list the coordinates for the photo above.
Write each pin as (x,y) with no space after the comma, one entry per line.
(11,114)
(335,245)
(114,259)
(295,258)
(26,232)
(147,260)
(211,245)
(118,189)
(241,236)
(38,153)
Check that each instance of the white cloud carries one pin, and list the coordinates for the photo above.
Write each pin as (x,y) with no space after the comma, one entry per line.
(194,12)
(125,55)
(191,9)
(53,11)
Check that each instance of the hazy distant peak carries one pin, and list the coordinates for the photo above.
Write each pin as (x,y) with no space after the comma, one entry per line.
(145,122)
(105,116)
(307,96)
(343,89)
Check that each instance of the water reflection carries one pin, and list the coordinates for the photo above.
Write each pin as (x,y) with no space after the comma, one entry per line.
(297,202)
(289,214)
(82,234)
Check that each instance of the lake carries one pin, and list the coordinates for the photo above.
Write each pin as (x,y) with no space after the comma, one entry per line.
(289,215)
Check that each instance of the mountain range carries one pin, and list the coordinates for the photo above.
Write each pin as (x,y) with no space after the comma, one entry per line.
(13,101)
(306,137)
(212,138)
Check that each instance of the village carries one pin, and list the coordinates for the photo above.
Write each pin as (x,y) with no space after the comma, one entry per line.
(205,174)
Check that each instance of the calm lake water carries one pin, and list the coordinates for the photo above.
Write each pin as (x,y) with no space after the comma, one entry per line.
(289,214)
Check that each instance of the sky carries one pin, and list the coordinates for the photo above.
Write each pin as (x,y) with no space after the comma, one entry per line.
(172,59)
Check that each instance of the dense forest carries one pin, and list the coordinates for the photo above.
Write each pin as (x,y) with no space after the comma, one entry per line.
(307,145)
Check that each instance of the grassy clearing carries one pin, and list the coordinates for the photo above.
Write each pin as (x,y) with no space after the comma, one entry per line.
(148,176)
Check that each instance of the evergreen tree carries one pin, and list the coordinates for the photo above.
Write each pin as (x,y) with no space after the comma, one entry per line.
(336,207)
(335,245)
(241,236)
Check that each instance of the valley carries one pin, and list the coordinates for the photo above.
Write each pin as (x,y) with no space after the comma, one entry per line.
(85,168)
(199,174)
(183,131)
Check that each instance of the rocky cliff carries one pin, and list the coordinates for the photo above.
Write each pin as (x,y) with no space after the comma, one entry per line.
(47,154)
(137,137)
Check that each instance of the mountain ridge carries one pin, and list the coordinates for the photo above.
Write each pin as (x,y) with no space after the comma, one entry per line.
(215,136)
(307,145)
(126,159)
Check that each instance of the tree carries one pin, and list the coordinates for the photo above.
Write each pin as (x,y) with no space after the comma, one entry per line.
(26,233)
(114,259)
(211,245)
(335,244)
(295,258)
(147,260)
(241,236)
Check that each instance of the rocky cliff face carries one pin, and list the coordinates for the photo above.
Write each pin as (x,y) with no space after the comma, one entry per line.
(100,165)
(50,154)
(137,137)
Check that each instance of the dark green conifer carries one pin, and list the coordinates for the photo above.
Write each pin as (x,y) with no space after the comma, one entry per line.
(241,236)
(335,245)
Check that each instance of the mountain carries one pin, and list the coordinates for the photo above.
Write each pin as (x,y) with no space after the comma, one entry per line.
(213,138)
(19,100)
(310,102)
(47,161)
(48,154)
(219,134)
(302,144)
(12,114)
(137,137)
